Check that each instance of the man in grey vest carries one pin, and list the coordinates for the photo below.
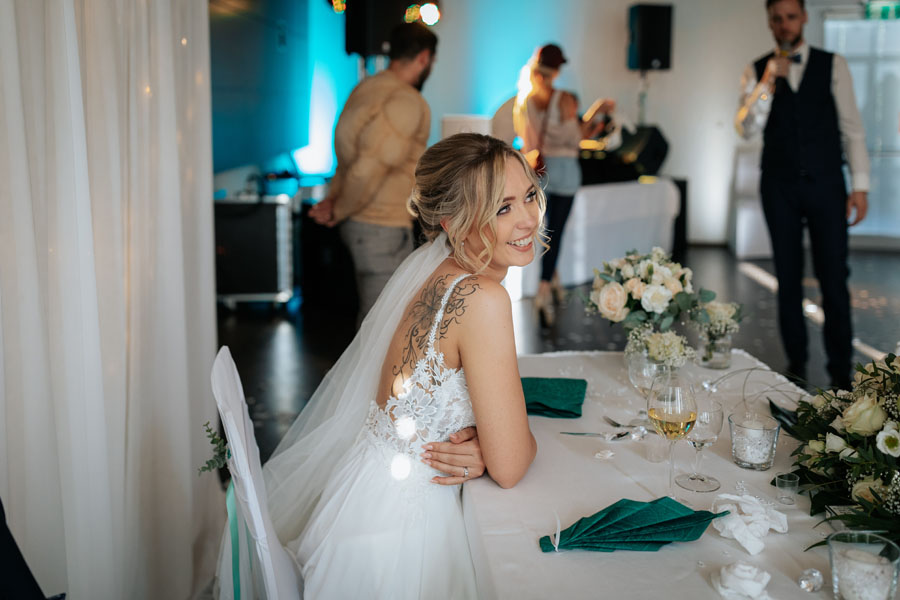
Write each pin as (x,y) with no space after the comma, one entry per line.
(801,98)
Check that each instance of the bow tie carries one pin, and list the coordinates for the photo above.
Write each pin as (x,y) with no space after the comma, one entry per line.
(794,58)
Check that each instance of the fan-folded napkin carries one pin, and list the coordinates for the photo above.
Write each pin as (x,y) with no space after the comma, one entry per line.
(748,521)
(632,525)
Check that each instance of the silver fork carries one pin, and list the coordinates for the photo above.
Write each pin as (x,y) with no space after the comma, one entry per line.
(616,423)
(620,425)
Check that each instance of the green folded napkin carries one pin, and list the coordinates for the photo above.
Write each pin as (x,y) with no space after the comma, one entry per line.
(633,525)
(554,396)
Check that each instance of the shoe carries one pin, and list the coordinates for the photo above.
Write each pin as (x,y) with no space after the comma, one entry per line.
(556,288)
(543,304)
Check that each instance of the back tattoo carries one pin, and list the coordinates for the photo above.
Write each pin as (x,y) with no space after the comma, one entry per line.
(423,311)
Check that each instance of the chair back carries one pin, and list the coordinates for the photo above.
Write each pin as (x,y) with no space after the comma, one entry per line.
(278,571)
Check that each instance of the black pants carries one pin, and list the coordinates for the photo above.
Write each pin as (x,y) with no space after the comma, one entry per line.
(558,209)
(16,581)
(820,205)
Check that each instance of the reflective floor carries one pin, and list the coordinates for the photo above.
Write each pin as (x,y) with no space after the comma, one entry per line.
(282,355)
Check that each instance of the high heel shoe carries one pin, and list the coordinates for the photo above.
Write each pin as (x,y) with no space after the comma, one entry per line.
(543,304)
(557,290)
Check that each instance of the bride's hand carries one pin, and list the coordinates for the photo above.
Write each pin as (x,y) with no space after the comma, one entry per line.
(453,458)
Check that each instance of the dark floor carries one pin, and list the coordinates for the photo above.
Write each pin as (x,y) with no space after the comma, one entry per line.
(282,354)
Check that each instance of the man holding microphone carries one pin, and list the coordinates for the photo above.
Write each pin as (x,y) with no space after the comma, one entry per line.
(801,99)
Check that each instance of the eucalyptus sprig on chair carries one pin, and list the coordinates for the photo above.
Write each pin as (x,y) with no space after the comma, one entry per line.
(220,451)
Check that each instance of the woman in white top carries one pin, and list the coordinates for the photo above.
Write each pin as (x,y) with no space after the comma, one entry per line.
(364,489)
(547,121)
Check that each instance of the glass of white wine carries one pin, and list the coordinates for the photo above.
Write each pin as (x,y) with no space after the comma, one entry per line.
(672,410)
(703,434)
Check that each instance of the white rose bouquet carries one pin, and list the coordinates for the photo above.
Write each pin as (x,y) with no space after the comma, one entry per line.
(851,451)
(644,290)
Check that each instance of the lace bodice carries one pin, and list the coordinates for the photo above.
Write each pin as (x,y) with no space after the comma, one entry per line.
(433,404)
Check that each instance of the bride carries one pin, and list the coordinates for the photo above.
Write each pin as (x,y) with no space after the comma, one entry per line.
(364,488)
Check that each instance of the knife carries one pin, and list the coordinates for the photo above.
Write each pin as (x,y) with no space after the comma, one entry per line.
(616,436)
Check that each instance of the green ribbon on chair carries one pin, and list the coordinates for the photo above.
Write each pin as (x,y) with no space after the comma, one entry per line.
(235,541)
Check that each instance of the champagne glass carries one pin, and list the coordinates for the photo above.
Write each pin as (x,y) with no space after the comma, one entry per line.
(705,432)
(672,410)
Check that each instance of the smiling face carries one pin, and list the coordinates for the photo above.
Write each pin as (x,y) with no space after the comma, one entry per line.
(516,225)
(786,20)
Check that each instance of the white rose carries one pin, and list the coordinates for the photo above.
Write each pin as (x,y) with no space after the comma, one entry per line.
(658,254)
(673,285)
(819,401)
(838,424)
(888,425)
(635,287)
(611,302)
(660,274)
(643,269)
(834,443)
(863,489)
(864,416)
(888,441)
(815,447)
(628,271)
(656,299)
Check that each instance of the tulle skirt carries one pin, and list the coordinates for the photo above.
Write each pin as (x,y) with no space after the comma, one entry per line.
(383,530)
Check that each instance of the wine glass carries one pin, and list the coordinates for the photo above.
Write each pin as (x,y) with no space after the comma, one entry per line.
(672,410)
(705,432)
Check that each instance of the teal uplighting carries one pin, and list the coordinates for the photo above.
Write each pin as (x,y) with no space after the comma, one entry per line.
(333,76)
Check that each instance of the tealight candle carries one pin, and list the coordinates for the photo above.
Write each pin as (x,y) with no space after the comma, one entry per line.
(753,439)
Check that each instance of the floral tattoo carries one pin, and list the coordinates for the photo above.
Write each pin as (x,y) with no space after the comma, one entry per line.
(422,314)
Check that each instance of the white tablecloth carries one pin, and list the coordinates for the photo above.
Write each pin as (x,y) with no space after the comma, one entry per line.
(504,525)
(606,221)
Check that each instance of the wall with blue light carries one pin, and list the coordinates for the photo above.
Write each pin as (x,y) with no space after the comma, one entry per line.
(260,79)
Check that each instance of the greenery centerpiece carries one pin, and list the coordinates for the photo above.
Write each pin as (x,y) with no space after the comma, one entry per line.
(848,461)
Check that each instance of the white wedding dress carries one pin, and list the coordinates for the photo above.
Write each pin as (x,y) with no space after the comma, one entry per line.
(381,528)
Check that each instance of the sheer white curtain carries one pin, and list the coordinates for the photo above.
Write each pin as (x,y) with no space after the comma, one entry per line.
(107,323)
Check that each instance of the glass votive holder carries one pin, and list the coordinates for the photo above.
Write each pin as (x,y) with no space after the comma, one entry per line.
(786,485)
(864,565)
(753,440)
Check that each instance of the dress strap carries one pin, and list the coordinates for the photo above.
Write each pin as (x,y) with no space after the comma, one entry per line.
(440,313)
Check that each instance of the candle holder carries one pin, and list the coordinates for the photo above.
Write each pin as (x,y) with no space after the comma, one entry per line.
(753,440)
(864,565)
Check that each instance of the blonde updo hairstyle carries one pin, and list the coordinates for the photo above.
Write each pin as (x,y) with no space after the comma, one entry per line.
(460,180)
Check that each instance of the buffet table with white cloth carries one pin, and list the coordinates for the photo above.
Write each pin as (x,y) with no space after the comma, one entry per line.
(567,480)
(606,219)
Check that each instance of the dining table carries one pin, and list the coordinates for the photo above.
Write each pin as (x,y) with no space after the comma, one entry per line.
(576,476)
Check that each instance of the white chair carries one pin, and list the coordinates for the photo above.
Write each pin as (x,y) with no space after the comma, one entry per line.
(272,563)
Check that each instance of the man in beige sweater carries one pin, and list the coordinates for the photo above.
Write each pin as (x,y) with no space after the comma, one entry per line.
(379,137)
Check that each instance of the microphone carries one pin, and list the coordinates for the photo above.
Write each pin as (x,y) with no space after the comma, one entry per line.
(784,49)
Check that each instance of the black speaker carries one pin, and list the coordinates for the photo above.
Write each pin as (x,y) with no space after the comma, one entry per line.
(641,153)
(650,37)
(368,25)
(254,256)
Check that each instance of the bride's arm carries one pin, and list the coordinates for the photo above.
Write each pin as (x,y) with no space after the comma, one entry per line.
(487,352)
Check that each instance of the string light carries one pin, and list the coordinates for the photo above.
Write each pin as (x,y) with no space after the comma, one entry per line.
(412,13)
(430,13)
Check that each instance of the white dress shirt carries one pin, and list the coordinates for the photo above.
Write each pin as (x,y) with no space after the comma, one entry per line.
(756,103)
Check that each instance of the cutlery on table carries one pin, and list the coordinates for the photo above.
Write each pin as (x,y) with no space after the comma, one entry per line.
(610,436)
